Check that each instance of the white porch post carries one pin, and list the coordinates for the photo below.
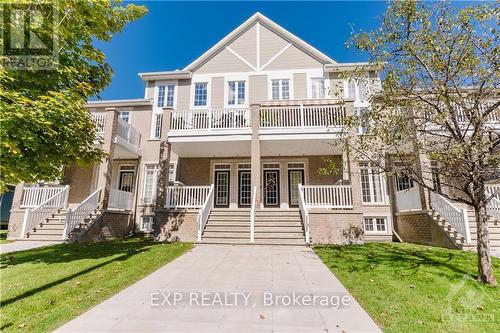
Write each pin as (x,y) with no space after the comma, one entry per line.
(255,151)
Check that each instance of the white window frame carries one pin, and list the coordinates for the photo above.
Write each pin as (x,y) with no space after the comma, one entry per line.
(357,100)
(134,170)
(171,176)
(375,228)
(326,82)
(193,85)
(279,76)
(226,91)
(155,182)
(381,176)
(129,111)
(158,109)
(141,222)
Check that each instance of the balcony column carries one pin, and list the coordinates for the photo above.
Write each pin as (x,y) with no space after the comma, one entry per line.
(164,160)
(106,166)
(255,151)
(349,160)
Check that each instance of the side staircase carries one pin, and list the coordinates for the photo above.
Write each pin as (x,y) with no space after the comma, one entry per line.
(272,227)
(52,229)
(458,239)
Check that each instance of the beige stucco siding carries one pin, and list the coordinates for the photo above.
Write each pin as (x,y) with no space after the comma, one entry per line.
(150,89)
(299,85)
(217,93)
(257,88)
(270,44)
(245,45)
(223,62)
(183,94)
(293,58)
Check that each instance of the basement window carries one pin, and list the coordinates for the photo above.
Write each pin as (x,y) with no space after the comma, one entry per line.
(375,224)
(146,223)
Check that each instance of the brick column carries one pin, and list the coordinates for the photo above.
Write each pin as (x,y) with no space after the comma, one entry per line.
(255,151)
(164,160)
(106,166)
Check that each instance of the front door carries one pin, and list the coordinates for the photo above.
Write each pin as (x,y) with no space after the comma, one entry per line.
(126,181)
(271,188)
(222,188)
(244,188)
(295,177)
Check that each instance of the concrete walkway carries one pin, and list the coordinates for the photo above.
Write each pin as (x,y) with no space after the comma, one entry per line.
(24,245)
(200,292)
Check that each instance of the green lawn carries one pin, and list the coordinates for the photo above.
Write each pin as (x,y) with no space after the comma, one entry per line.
(413,288)
(43,288)
(3,237)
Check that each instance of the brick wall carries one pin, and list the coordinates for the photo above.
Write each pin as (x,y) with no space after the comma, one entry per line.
(180,223)
(419,228)
(327,227)
(111,224)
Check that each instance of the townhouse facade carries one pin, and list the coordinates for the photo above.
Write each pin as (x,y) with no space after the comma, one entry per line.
(229,150)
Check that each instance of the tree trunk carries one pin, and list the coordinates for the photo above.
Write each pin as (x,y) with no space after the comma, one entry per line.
(485,270)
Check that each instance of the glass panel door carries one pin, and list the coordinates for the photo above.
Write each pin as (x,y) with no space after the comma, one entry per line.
(295,177)
(245,188)
(271,188)
(222,188)
(126,181)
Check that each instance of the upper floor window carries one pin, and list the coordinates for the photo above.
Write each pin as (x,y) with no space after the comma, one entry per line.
(372,185)
(200,93)
(161,97)
(125,115)
(351,89)
(236,92)
(280,89)
(318,88)
(166,94)
(357,89)
(170,95)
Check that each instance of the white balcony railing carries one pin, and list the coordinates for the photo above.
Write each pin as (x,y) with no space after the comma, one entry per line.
(210,119)
(302,116)
(328,196)
(34,196)
(128,134)
(493,190)
(99,119)
(493,117)
(119,199)
(408,199)
(186,196)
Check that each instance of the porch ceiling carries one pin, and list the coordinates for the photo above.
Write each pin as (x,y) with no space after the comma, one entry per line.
(212,148)
(299,147)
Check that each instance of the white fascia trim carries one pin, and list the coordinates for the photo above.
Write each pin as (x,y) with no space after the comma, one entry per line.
(259,18)
(119,103)
(168,75)
(209,138)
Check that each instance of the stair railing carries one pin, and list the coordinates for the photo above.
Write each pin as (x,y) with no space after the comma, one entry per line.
(77,215)
(493,208)
(304,212)
(457,218)
(204,211)
(252,214)
(44,210)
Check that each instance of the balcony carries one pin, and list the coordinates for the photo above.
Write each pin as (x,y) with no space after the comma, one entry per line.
(127,139)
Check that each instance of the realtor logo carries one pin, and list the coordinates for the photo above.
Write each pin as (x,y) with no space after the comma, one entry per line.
(29,36)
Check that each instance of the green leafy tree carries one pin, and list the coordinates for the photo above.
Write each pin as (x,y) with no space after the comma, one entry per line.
(437,115)
(43,122)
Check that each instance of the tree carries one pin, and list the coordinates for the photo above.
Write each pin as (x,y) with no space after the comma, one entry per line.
(440,95)
(44,124)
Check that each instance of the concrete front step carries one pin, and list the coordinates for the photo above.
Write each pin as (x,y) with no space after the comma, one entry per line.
(260,235)
(258,228)
(281,242)
(42,237)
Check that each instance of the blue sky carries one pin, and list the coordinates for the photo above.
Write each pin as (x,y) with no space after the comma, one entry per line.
(173,34)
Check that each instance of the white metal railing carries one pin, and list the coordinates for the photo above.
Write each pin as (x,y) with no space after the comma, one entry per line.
(493,190)
(210,119)
(204,212)
(492,117)
(99,119)
(493,208)
(252,214)
(119,199)
(328,196)
(34,196)
(304,212)
(456,217)
(77,215)
(302,116)
(186,196)
(128,133)
(46,209)
(408,199)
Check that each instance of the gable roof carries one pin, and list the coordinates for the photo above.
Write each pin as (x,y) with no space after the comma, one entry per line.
(277,29)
